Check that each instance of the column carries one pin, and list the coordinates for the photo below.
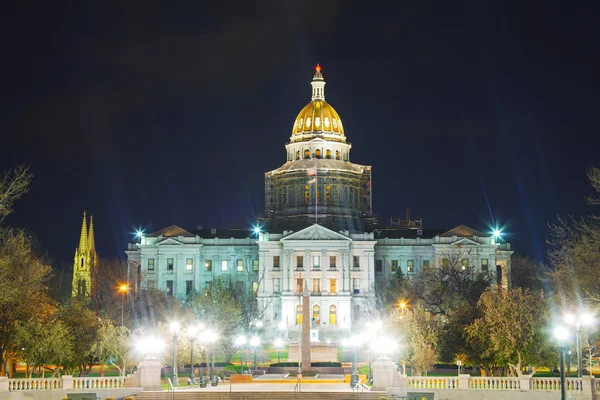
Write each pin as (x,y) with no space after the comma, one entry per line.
(284,271)
(324,268)
(343,269)
(308,267)
(198,267)
(348,277)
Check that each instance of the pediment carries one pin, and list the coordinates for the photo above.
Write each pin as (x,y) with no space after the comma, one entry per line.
(169,242)
(316,232)
(466,241)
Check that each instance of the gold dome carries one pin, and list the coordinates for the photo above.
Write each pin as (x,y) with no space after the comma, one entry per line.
(318,117)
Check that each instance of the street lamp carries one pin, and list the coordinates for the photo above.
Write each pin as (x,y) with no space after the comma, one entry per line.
(192,330)
(240,341)
(562,334)
(174,327)
(254,342)
(278,345)
(150,346)
(123,289)
(581,318)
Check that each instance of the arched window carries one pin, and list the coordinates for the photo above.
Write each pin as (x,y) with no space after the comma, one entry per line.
(332,315)
(337,155)
(316,316)
(81,266)
(306,153)
(327,153)
(298,314)
(318,153)
(298,155)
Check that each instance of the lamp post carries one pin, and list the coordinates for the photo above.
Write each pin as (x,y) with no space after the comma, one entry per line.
(278,345)
(192,330)
(240,341)
(581,318)
(174,329)
(254,342)
(209,338)
(562,334)
(123,289)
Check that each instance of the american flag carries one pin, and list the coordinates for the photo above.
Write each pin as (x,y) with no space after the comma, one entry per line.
(312,172)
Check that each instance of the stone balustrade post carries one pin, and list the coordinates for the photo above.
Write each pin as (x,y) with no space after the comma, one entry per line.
(150,373)
(3,384)
(587,389)
(525,382)
(463,381)
(383,373)
(67,381)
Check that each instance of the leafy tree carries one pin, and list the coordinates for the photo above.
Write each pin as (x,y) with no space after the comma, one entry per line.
(396,290)
(105,297)
(13,185)
(526,273)
(420,330)
(82,325)
(111,346)
(512,330)
(221,311)
(23,290)
(42,341)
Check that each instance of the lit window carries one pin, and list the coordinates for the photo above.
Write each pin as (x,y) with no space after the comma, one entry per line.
(316,285)
(224,265)
(484,264)
(189,264)
(276,285)
(356,262)
(298,314)
(464,264)
(169,264)
(316,315)
(207,288)
(318,153)
(208,265)
(255,287)
(332,286)
(316,262)
(275,261)
(300,262)
(332,262)
(306,153)
(337,153)
(425,264)
(240,265)
(327,152)
(169,288)
(410,266)
(328,191)
(394,265)
(298,155)
(254,265)
(332,315)
(299,286)
(151,264)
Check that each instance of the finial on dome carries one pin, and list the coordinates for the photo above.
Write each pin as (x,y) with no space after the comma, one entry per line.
(318,75)
(318,85)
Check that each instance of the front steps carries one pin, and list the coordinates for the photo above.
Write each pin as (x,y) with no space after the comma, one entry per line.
(208,395)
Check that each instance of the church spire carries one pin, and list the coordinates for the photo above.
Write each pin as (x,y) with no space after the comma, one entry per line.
(318,85)
(84,233)
(91,242)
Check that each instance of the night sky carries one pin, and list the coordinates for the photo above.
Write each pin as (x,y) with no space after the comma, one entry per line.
(148,114)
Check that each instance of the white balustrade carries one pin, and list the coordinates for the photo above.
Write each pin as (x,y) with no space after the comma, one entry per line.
(553,384)
(425,382)
(34,384)
(104,382)
(492,383)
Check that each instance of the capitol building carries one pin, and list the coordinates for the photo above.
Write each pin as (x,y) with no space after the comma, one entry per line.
(318,236)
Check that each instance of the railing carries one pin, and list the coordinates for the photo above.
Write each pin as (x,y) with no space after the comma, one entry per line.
(597,385)
(500,383)
(553,384)
(297,388)
(424,382)
(35,384)
(102,382)
(357,389)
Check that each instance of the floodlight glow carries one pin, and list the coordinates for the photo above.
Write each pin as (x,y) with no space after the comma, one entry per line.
(561,333)
(174,326)
(587,319)
(570,319)
(255,341)
(210,336)
(259,324)
(240,340)
(139,233)
(123,288)
(278,343)
(282,326)
(256,229)
(496,233)
(150,345)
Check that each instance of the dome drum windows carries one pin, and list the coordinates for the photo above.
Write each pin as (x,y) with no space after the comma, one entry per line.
(318,153)
(306,154)
(328,154)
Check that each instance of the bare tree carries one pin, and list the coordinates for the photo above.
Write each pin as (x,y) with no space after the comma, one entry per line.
(13,185)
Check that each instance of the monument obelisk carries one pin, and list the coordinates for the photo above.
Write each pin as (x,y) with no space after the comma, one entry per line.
(305,329)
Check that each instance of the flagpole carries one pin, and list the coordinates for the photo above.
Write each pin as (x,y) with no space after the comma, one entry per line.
(316,195)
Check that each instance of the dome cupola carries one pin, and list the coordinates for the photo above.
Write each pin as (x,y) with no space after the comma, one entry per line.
(318,118)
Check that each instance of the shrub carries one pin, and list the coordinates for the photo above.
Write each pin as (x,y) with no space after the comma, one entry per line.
(129,398)
(109,398)
(315,364)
